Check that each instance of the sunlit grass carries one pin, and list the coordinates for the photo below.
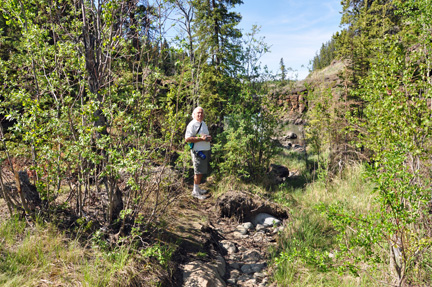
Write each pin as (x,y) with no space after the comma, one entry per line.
(305,250)
(42,256)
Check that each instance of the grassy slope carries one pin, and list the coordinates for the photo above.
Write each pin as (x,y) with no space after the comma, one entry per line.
(307,246)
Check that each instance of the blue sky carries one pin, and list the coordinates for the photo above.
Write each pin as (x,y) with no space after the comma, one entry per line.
(294,29)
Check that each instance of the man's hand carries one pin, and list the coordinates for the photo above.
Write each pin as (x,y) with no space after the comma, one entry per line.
(206,138)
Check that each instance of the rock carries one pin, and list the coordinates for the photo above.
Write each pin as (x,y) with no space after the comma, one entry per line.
(235,266)
(248,225)
(278,229)
(243,249)
(260,236)
(220,265)
(265,219)
(271,221)
(252,268)
(239,235)
(260,228)
(241,229)
(278,172)
(200,274)
(247,249)
(252,256)
(250,283)
(229,246)
(259,275)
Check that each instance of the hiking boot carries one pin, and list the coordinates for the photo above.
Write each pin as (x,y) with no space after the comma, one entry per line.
(198,195)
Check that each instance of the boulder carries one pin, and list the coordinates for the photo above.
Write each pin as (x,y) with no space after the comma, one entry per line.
(278,173)
(266,220)
(201,274)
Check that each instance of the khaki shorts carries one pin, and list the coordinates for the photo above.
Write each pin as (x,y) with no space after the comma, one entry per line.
(200,165)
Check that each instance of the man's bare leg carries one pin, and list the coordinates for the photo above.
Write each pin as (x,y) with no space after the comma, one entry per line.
(197,178)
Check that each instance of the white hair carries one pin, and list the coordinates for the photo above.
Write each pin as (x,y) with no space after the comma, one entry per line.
(195,110)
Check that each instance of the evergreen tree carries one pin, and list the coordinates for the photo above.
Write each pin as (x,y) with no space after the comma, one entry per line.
(325,56)
(282,70)
(219,49)
(366,22)
(215,28)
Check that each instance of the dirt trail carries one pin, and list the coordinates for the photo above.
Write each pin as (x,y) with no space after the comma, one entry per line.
(222,251)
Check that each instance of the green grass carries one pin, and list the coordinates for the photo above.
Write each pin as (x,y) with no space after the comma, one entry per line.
(305,252)
(40,255)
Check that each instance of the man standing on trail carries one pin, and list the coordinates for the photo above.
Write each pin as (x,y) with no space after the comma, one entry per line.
(198,137)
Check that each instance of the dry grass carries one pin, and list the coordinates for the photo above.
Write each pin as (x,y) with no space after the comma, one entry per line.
(331,70)
(40,255)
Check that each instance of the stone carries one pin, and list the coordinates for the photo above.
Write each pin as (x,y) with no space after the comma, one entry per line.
(250,282)
(241,229)
(229,246)
(271,221)
(260,236)
(200,274)
(252,256)
(265,219)
(247,268)
(235,265)
(260,227)
(278,229)
(259,275)
(239,235)
(235,257)
(248,225)
(242,248)
(220,265)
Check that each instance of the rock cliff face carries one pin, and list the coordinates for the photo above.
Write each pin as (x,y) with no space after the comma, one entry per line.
(294,101)
(293,97)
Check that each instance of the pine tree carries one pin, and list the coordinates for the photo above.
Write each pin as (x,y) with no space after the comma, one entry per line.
(282,70)
(219,49)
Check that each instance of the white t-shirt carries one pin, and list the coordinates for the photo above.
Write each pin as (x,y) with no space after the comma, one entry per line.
(191,131)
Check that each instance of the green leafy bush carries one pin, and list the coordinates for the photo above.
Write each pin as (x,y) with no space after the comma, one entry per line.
(245,147)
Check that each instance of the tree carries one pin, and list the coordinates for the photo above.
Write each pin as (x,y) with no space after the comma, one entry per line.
(85,109)
(367,22)
(326,55)
(282,69)
(396,127)
(219,50)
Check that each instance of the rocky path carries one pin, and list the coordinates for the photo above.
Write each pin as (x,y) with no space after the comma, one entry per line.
(237,249)
(246,246)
